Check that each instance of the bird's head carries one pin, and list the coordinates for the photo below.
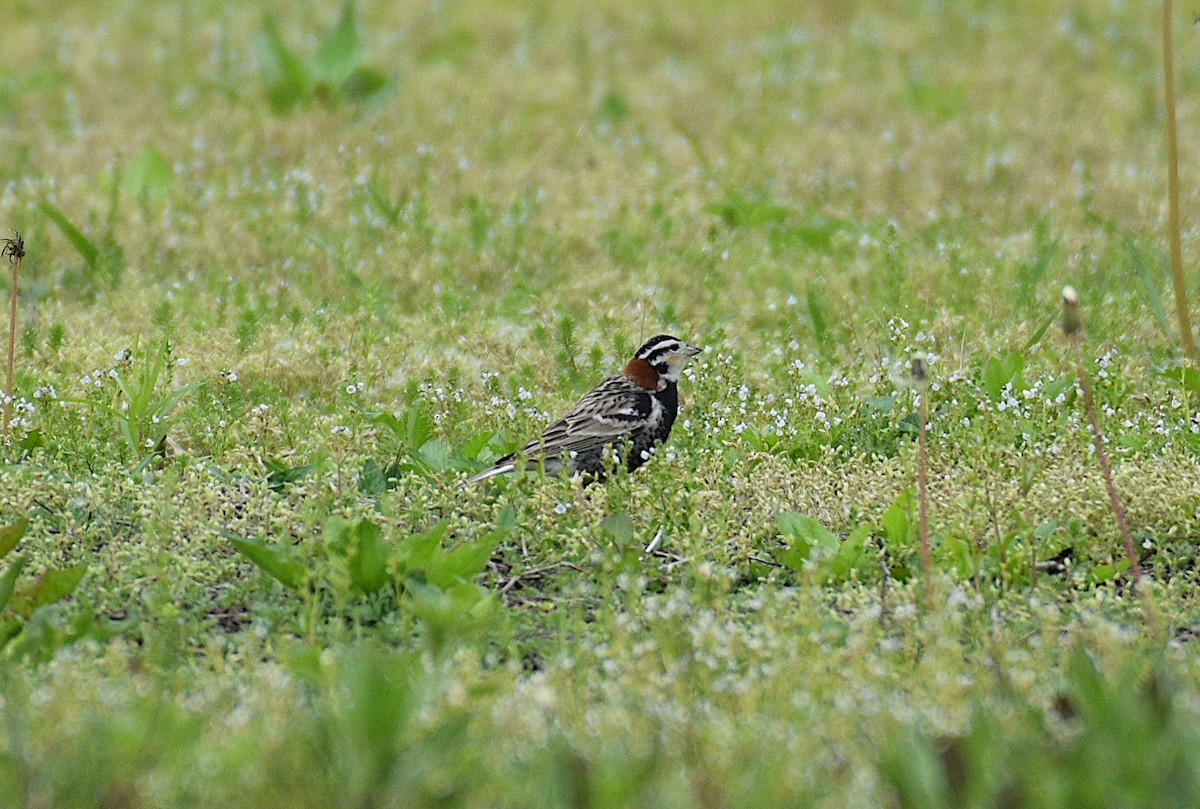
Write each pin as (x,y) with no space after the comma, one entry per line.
(665,356)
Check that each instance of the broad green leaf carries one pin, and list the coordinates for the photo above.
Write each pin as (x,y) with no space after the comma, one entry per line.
(471,448)
(54,585)
(9,630)
(1186,376)
(850,553)
(280,474)
(896,520)
(304,661)
(415,552)
(10,535)
(994,378)
(274,561)
(436,455)
(149,173)
(387,420)
(1105,572)
(506,520)
(803,533)
(32,440)
(9,580)
(288,80)
(456,612)
(618,526)
(372,479)
(339,51)
(368,557)
(463,563)
(365,86)
(419,427)
(86,248)
(959,551)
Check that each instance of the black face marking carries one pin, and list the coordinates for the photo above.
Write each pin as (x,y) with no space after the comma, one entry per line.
(657,347)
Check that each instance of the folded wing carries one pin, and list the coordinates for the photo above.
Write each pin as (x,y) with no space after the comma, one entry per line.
(613,410)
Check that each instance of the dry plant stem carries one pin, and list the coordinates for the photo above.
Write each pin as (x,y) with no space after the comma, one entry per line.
(1173,226)
(1114,499)
(12,344)
(923,501)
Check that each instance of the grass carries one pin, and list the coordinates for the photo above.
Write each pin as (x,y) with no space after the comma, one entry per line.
(272,313)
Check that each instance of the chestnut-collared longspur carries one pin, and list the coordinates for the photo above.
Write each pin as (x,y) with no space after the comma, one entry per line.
(628,414)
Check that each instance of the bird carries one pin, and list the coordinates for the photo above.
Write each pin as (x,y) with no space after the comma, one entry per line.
(630,413)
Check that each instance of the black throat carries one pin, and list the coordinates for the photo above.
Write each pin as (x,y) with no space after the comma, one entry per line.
(669,396)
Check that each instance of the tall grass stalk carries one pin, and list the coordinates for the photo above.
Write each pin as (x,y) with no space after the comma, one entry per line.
(920,373)
(1173,226)
(1073,328)
(14,249)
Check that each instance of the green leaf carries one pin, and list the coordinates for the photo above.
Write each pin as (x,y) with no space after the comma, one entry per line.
(368,557)
(463,563)
(8,631)
(506,520)
(149,173)
(896,520)
(612,108)
(288,81)
(1105,572)
(280,474)
(618,526)
(959,551)
(738,211)
(387,420)
(1186,376)
(436,455)
(457,612)
(32,440)
(471,448)
(9,580)
(366,86)
(10,535)
(880,404)
(1001,371)
(54,585)
(86,248)
(415,552)
(274,561)
(339,50)
(372,479)
(804,533)
(850,553)
(418,427)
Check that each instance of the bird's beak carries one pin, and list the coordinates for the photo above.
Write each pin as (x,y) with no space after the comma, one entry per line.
(690,351)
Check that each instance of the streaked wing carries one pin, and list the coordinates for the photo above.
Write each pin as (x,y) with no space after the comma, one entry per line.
(613,409)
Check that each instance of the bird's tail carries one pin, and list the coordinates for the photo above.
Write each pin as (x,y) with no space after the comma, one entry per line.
(498,469)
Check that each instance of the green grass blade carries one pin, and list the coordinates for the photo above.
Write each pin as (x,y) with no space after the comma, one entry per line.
(1149,289)
(86,248)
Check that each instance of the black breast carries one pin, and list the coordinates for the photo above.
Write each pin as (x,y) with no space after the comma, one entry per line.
(654,434)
